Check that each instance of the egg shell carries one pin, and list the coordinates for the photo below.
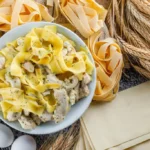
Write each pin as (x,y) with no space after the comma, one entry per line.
(24,142)
(6,136)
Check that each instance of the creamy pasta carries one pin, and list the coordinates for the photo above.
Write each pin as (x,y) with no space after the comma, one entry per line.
(41,76)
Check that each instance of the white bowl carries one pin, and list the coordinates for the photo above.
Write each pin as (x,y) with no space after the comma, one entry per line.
(79,108)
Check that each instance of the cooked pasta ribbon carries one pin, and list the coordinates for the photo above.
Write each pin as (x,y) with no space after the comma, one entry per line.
(23,76)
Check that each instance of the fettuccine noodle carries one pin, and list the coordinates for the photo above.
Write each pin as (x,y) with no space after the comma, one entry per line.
(28,69)
(109,63)
(17,12)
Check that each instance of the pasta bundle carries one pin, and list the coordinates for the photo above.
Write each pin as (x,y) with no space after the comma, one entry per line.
(85,15)
(17,12)
(109,62)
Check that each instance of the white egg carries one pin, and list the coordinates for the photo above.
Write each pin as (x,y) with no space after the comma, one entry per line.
(6,136)
(24,142)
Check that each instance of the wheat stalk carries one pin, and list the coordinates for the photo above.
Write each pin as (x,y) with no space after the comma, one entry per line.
(139,22)
(134,51)
(132,37)
(49,141)
(105,3)
(109,20)
(141,71)
(109,23)
(140,18)
(143,6)
(65,140)
(145,64)
(71,137)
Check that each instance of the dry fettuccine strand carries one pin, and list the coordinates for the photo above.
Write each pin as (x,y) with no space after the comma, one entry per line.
(85,15)
(109,63)
(17,12)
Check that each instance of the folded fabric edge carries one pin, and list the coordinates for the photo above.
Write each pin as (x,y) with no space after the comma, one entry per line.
(131,143)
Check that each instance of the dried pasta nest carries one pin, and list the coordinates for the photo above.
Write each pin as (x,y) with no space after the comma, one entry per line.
(109,63)
(16,12)
(129,22)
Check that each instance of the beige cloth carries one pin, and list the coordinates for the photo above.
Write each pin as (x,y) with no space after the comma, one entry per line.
(142,146)
(119,124)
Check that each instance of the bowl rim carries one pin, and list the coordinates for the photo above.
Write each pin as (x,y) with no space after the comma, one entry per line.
(42,24)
